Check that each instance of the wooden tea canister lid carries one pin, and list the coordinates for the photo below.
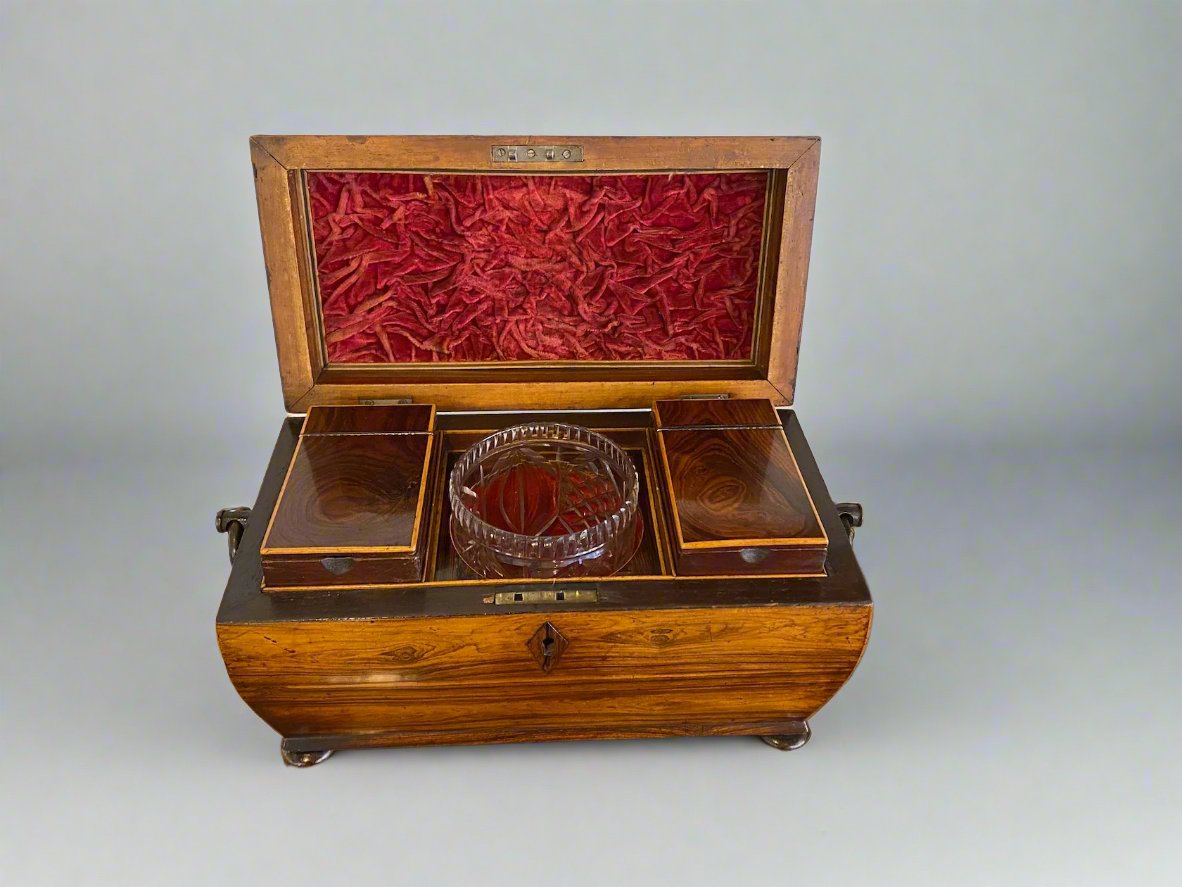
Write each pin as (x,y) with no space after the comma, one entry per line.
(737,500)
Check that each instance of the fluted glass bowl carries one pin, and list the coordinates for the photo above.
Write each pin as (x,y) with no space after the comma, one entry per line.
(545,500)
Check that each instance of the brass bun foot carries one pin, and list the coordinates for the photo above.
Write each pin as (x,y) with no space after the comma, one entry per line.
(790,741)
(303,758)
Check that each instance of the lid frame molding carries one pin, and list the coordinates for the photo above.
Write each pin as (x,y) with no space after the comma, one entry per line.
(280,162)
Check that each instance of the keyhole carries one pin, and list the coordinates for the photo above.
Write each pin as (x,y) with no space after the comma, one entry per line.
(546,646)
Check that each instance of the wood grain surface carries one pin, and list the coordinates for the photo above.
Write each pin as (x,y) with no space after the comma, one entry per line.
(279,222)
(600,153)
(683,413)
(606,390)
(306,573)
(352,493)
(737,486)
(723,725)
(736,500)
(792,269)
(676,670)
(384,419)
(353,505)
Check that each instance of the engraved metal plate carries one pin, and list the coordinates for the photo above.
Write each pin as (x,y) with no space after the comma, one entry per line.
(537,153)
(544,597)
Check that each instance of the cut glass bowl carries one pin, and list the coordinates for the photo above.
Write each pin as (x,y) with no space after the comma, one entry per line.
(545,500)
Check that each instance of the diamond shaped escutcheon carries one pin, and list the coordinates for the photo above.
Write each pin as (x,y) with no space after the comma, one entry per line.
(547,646)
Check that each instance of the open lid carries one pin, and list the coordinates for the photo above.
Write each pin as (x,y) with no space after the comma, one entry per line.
(481,272)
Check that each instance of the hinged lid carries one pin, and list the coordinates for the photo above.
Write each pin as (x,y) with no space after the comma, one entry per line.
(481,272)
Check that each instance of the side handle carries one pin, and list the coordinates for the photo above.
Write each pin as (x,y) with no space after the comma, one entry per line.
(232,522)
(851,516)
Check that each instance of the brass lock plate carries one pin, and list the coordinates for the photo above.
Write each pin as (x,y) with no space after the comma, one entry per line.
(543,597)
(537,153)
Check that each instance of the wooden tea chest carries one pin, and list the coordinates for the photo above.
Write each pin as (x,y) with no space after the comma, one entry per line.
(427,291)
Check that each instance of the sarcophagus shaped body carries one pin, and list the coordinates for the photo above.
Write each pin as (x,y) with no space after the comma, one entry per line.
(427,292)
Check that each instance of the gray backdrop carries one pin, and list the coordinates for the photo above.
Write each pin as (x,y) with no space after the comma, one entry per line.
(991,363)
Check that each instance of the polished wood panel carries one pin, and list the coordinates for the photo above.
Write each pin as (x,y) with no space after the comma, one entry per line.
(722,724)
(307,381)
(687,413)
(768,560)
(305,573)
(792,269)
(293,315)
(388,419)
(735,496)
(673,670)
(737,486)
(351,493)
(353,503)
(600,153)
(492,394)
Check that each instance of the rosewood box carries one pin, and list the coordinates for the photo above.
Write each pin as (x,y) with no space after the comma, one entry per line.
(353,508)
(737,502)
(427,291)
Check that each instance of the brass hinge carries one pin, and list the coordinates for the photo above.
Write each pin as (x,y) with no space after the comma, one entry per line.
(705,397)
(384,401)
(537,153)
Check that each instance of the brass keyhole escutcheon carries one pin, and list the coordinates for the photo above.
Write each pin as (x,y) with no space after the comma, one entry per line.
(547,645)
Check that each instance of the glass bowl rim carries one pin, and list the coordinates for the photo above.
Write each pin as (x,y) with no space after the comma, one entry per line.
(546,432)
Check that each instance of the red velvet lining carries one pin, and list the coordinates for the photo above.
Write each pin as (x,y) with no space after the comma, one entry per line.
(416,267)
